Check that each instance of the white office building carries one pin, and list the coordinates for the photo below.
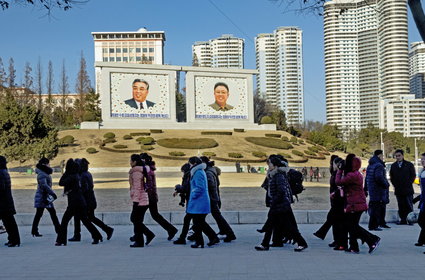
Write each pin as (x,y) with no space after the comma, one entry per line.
(417,69)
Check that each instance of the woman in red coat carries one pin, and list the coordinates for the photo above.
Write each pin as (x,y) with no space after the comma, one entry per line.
(350,178)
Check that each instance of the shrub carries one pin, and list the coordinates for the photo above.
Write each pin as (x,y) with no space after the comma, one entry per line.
(145,140)
(266,120)
(127,137)
(314,149)
(216,133)
(325,153)
(67,140)
(273,135)
(303,160)
(119,146)
(285,138)
(176,154)
(297,153)
(269,142)
(239,130)
(140,133)
(294,139)
(109,140)
(156,131)
(235,155)
(109,135)
(147,147)
(310,153)
(186,143)
(301,141)
(259,154)
(91,150)
(285,155)
(209,154)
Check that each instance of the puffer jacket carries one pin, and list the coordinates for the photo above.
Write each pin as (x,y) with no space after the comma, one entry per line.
(151,184)
(199,200)
(137,186)
(352,182)
(72,188)
(44,187)
(376,183)
(87,187)
(213,182)
(279,190)
(7,206)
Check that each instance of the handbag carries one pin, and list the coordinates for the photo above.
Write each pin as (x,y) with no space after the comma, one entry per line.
(50,198)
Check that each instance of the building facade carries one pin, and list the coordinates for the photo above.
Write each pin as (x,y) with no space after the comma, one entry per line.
(417,69)
(280,65)
(202,55)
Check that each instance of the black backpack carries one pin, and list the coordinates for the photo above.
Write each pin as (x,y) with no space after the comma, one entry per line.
(295,179)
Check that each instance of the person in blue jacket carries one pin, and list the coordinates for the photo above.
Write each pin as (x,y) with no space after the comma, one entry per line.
(421,199)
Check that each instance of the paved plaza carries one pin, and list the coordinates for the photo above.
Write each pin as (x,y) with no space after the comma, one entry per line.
(37,258)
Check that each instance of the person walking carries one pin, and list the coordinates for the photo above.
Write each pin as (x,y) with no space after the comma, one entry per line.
(77,206)
(199,204)
(421,199)
(350,178)
(44,196)
(402,176)
(87,187)
(140,199)
(311,173)
(304,172)
(153,196)
(317,174)
(335,217)
(376,185)
(215,201)
(184,190)
(7,206)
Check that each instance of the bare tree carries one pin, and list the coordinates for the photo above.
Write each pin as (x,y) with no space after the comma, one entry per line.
(82,87)
(12,74)
(2,74)
(26,95)
(49,86)
(39,82)
(46,5)
(63,85)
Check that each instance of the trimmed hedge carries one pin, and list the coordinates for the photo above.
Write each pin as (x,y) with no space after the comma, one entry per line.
(145,140)
(259,154)
(303,160)
(269,142)
(67,140)
(216,133)
(297,153)
(156,131)
(285,155)
(91,150)
(147,147)
(310,153)
(127,137)
(275,135)
(109,135)
(325,153)
(187,143)
(239,130)
(235,155)
(285,138)
(176,154)
(266,120)
(140,133)
(109,140)
(209,154)
(316,156)
(119,146)
(314,149)
(294,139)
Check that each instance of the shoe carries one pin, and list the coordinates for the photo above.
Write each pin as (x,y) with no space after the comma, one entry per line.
(353,251)
(7,243)
(375,245)
(385,226)
(14,245)
(149,239)
(60,244)
(180,241)
(229,238)
(260,230)
(333,244)
(375,229)
(191,238)
(137,245)
(419,244)
(96,241)
(300,248)
(172,234)
(36,234)
(109,233)
(340,248)
(196,245)
(286,240)
(132,239)
(261,248)
(75,239)
(319,236)
(276,245)
(213,242)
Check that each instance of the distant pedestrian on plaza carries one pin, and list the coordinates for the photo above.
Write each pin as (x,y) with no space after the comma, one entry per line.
(402,176)
(153,196)
(199,204)
(304,172)
(311,173)
(44,196)
(77,206)
(140,199)
(7,206)
(183,190)
(376,185)
(335,217)
(87,187)
(421,199)
(350,178)
(317,174)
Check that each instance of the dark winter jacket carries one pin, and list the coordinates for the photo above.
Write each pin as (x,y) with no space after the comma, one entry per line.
(72,188)
(279,190)
(87,188)
(352,182)
(184,188)
(376,183)
(402,178)
(7,206)
(337,201)
(44,187)
(199,201)
(212,178)
(151,184)
(422,195)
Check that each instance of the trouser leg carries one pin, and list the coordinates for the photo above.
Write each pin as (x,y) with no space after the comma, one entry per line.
(153,209)
(12,230)
(36,221)
(54,218)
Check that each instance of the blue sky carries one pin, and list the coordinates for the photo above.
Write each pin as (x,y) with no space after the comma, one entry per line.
(27,34)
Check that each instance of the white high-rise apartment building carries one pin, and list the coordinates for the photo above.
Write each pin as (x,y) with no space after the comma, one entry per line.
(280,65)
(417,69)
(226,51)
(366,59)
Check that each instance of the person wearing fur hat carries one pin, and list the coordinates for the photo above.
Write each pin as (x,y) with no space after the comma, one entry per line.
(44,196)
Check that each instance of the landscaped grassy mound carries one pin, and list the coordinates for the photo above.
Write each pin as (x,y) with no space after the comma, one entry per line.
(269,142)
(187,143)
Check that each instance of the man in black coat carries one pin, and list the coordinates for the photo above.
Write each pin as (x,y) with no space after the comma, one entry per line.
(402,175)
(376,184)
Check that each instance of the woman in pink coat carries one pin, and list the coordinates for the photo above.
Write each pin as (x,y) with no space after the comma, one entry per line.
(351,180)
(140,200)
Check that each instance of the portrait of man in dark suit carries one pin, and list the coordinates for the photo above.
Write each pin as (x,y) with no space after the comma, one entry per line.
(221,94)
(140,93)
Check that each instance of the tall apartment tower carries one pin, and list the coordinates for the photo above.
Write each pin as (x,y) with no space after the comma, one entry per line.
(280,65)
(417,69)
(366,59)
(226,51)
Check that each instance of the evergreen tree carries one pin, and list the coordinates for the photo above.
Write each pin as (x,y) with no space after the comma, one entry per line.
(92,110)
(28,82)
(12,74)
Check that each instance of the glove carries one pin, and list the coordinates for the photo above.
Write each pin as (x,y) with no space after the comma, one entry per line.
(54,196)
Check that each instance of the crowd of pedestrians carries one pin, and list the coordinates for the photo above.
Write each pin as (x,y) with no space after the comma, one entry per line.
(199,192)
